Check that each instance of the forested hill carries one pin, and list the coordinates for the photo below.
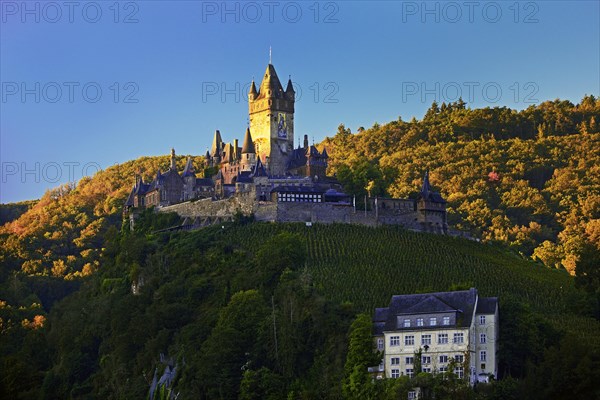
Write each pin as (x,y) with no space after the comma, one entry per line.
(263,311)
(70,326)
(529,179)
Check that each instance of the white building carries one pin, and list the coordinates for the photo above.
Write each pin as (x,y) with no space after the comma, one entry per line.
(443,326)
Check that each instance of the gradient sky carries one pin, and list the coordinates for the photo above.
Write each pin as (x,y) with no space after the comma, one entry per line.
(162,66)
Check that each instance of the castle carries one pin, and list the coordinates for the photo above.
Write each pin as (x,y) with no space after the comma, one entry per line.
(268,178)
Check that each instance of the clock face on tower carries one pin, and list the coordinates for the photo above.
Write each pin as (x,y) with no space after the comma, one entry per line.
(281,126)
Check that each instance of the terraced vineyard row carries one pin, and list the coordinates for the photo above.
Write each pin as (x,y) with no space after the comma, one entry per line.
(365,266)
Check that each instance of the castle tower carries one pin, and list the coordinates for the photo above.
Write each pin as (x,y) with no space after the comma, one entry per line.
(248,152)
(271,111)
(431,208)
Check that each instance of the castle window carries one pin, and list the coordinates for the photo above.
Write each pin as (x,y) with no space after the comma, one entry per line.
(419,321)
(395,361)
(407,323)
(395,373)
(394,340)
(443,359)
(446,321)
(409,360)
(426,339)
(409,340)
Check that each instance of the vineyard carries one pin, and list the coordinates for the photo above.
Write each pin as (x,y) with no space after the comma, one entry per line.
(365,266)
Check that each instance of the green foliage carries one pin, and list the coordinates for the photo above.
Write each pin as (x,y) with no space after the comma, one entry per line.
(201,299)
(504,182)
(357,382)
(285,250)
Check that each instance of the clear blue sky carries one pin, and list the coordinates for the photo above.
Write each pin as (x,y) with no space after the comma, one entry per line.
(354,62)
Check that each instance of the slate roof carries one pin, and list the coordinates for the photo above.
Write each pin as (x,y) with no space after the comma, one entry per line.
(379,319)
(248,146)
(487,305)
(244,177)
(204,182)
(259,169)
(427,193)
(270,81)
(297,158)
(129,201)
(461,302)
(189,168)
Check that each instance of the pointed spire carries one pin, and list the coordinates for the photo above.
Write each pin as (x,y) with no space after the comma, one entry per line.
(217,144)
(248,146)
(290,87)
(324,153)
(270,85)
(259,168)
(252,91)
(173,160)
(189,168)
(426,186)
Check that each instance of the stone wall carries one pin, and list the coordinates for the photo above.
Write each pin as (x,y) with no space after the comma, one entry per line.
(325,213)
(245,203)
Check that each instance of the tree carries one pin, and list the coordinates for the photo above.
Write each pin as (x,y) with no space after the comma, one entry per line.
(357,383)
(285,250)
(232,346)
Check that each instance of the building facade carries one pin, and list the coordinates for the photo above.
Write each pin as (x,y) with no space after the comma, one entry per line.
(449,331)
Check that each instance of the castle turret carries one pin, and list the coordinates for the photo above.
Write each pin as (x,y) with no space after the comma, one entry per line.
(252,94)
(248,152)
(217,148)
(431,208)
(289,90)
